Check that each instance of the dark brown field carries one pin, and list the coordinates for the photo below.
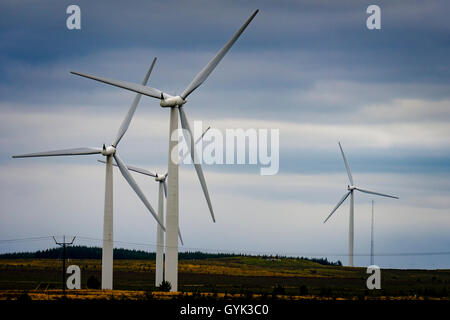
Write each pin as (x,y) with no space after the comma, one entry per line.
(238,275)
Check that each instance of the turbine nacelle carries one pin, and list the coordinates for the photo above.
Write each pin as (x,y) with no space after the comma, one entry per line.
(160,178)
(108,151)
(172,101)
(351,188)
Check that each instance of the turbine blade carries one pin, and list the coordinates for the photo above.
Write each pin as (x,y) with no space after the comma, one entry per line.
(198,140)
(142,171)
(198,167)
(135,169)
(179,235)
(338,205)
(127,175)
(64,152)
(165,188)
(203,134)
(346,165)
(377,193)
(126,122)
(202,75)
(145,90)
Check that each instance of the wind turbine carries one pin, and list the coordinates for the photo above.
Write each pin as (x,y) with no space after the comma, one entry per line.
(174,103)
(109,152)
(351,188)
(161,179)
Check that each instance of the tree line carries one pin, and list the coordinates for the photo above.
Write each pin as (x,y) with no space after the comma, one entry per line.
(84,252)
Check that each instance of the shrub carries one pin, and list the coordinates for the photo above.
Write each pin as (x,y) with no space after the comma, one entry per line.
(93,283)
(165,286)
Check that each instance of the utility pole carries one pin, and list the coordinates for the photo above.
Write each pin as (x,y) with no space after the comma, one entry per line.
(63,245)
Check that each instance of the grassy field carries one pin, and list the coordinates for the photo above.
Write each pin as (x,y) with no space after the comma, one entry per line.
(234,275)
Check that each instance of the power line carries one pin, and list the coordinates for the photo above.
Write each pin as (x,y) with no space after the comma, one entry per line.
(26,239)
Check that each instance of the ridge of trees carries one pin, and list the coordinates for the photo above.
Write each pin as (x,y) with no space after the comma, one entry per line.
(84,252)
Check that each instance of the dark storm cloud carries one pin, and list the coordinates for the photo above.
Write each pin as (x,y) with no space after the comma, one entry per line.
(307,41)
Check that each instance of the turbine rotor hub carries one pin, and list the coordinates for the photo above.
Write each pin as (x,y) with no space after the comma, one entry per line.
(172,102)
(108,151)
(351,188)
(160,178)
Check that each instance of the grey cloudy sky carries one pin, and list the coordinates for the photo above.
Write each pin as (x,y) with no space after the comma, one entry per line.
(309,68)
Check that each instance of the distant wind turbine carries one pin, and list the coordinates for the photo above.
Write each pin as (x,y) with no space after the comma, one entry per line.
(351,188)
(372,259)
(176,105)
(109,152)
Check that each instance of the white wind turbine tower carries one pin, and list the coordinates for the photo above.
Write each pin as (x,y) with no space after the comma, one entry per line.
(161,179)
(351,188)
(174,103)
(109,152)
(372,259)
